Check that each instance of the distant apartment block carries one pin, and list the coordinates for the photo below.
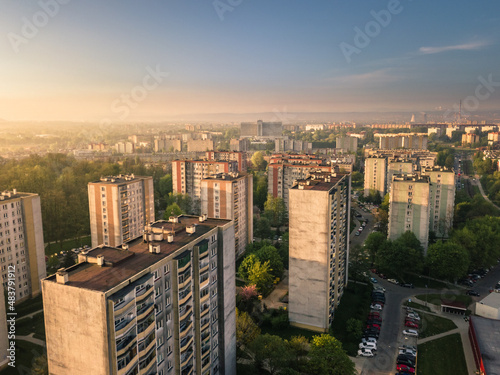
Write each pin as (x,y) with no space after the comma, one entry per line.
(438,131)
(315,127)
(239,145)
(470,138)
(261,129)
(441,200)
(167,145)
(285,170)
(98,146)
(238,156)
(200,145)
(4,342)
(348,144)
(162,304)
(230,196)
(402,140)
(397,166)
(22,249)
(187,175)
(409,207)
(283,145)
(125,147)
(375,175)
(493,137)
(319,248)
(119,208)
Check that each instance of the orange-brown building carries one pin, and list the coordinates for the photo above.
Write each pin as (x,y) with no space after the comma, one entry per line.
(119,208)
(238,156)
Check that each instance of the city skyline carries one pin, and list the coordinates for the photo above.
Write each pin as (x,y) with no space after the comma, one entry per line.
(64,60)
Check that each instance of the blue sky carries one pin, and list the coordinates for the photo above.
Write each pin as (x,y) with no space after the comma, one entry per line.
(81,61)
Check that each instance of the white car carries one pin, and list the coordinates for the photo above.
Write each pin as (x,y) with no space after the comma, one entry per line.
(372,340)
(368,345)
(392,281)
(376,306)
(413,353)
(410,332)
(365,353)
(413,316)
(379,288)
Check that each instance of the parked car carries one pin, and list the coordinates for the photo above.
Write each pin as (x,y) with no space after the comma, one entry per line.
(472,293)
(393,281)
(408,356)
(405,361)
(376,306)
(411,324)
(368,345)
(356,234)
(405,368)
(373,326)
(413,316)
(365,353)
(373,280)
(411,347)
(410,332)
(379,288)
(369,339)
(407,285)
(408,352)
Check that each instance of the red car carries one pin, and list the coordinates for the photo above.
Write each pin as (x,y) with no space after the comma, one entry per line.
(405,368)
(411,324)
(373,325)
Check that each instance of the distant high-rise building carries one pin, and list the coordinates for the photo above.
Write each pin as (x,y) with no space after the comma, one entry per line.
(238,156)
(125,147)
(4,342)
(22,249)
(412,120)
(319,217)
(375,175)
(239,145)
(349,144)
(441,200)
(409,207)
(261,129)
(163,144)
(284,170)
(470,138)
(119,208)
(162,304)
(200,145)
(230,196)
(187,176)
(402,140)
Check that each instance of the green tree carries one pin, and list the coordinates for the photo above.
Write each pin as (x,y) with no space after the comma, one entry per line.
(165,185)
(327,357)
(246,265)
(262,228)
(40,365)
(358,262)
(354,328)
(259,190)
(172,210)
(68,260)
(405,253)
(258,161)
(246,329)
(357,178)
(275,210)
(270,352)
(449,162)
(260,275)
(270,254)
(373,243)
(447,260)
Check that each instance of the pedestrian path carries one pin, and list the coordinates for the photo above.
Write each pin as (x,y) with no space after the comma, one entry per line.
(31,339)
(478,183)
(273,300)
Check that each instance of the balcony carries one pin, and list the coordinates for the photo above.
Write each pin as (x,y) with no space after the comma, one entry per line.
(186,282)
(205,324)
(121,308)
(185,358)
(125,346)
(183,313)
(147,368)
(185,298)
(145,311)
(185,330)
(204,267)
(148,348)
(143,293)
(204,308)
(185,343)
(126,369)
(123,327)
(147,331)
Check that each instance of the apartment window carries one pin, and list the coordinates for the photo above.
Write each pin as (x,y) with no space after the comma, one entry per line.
(168,301)
(213,252)
(167,284)
(160,358)
(159,324)
(156,275)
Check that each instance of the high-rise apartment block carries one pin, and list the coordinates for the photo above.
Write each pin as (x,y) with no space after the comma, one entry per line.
(239,144)
(319,218)
(161,304)
(409,207)
(397,165)
(285,170)
(230,196)
(164,144)
(187,175)
(441,200)
(375,175)
(22,249)
(261,129)
(402,140)
(119,208)
(347,144)
(200,145)
(239,157)
(470,138)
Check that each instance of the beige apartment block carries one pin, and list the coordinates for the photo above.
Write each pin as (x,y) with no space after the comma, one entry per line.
(230,196)
(348,144)
(402,140)
(375,175)
(22,248)
(319,248)
(441,200)
(161,304)
(200,145)
(398,166)
(409,207)
(119,208)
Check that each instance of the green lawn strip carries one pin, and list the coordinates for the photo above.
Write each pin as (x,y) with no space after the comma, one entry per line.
(289,332)
(444,356)
(431,325)
(436,299)
(355,303)
(25,353)
(416,305)
(29,306)
(54,248)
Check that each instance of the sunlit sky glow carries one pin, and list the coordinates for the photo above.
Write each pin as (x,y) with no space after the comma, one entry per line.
(262,56)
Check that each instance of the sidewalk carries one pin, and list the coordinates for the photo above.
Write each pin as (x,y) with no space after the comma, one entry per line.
(31,339)
(272,301)
(478,183)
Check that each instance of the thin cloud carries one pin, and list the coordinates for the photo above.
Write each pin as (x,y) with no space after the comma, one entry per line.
(458,47)
(380,75)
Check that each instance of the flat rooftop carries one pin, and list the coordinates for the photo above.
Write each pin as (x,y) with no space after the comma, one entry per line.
(322,181)
(120,179)
(410,178)
(121,264)
(13,194)
(488,339)
(492,300)
(226,176)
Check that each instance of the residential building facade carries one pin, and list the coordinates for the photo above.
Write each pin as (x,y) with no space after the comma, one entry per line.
(22,249)
(347,143)
(402,140)
(319,217)
(119,208)
(161,304)
(238,156)
(230,196)
(375,175)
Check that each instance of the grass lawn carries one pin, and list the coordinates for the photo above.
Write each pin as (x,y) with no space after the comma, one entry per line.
(416,305)
(35,324)
(25,353)
(435,299)
(288,333)
(29,306)
(433,325)
(444,356)
(54,248)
